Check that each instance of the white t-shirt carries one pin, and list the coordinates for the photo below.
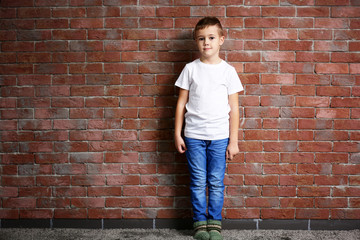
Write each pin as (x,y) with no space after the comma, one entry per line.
(207,110)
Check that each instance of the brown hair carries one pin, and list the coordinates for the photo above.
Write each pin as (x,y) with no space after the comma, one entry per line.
(206,22)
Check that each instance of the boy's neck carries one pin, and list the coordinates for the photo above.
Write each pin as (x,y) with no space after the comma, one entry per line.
(214,60)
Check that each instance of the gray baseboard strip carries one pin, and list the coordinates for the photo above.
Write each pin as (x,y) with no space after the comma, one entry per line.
(181,224)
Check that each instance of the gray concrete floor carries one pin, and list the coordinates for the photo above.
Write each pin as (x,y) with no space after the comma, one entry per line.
(162,234)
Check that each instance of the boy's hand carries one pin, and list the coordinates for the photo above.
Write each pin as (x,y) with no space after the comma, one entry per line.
(180,144)
(232,150)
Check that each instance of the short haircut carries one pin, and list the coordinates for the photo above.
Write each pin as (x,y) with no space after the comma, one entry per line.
(206,22)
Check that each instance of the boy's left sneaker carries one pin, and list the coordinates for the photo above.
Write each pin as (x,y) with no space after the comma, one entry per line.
(214,229)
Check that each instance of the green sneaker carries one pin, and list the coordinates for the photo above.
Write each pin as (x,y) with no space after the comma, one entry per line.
(200,229)
(214,229)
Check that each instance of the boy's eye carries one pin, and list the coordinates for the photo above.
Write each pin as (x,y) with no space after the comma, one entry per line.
(201,39)
(212,38)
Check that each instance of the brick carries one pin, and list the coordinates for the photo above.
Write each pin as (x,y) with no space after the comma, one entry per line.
(261,135)
(333,91)
(331,23)
(51,23)
(290,45)
(346,34)
(279,191)
(331,158)
(86,46)
(297,67)
(312,101)
(333,113)
(347,12)
(96,213)
(88,180)
(43,158)
(312,57)
(86,157)
(279,169)
(354,68)
(102,102)
(51,68)
(280,34)
(70,213)
(103,12)
(104,34)
(245,34)
(243,11)
(262,202)
(261,22)
(36,214)
(88,202)
(86,113)
(344,102)
(51,3)
(331,135)
(278,56)
(7,192)
(105,146)
(313,12)
(60,12)
(261,67)
(35,192)
(331,180)
(315,147)
(104,169)
(296,202)
(86,23)
(208,11)
(51,46)
(123,202)
(346,147)
(261,180)
(237,213)
(261,2)
(85,3)
(17,181)
(138,57)
(69,34)
(332,2)
(34,35)
(243,169)
(344,213)
(170,12)
(120,68)
(296,23)
(346,191)
(52,203)
(21,3)
(312,214)
(278,11)
(16,69)
(314,191)
(297,112)
(278,213)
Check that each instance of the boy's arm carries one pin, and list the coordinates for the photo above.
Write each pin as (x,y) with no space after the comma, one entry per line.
(179,119)
(233,147)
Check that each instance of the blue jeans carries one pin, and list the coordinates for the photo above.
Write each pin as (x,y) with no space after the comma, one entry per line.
(207,163)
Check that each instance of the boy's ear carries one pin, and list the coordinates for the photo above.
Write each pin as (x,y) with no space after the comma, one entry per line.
(222,40)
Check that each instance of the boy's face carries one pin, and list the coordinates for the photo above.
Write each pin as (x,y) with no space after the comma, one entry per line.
(209,41)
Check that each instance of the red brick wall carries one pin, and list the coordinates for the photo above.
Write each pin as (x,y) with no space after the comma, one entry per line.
(87,106)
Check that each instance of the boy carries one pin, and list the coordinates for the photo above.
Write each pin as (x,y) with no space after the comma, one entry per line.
(208,98)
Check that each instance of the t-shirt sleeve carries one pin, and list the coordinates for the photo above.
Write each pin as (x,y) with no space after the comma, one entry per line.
(184,79)
(234,83)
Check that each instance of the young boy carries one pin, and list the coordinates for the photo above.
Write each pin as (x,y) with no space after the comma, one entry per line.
(208,98)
